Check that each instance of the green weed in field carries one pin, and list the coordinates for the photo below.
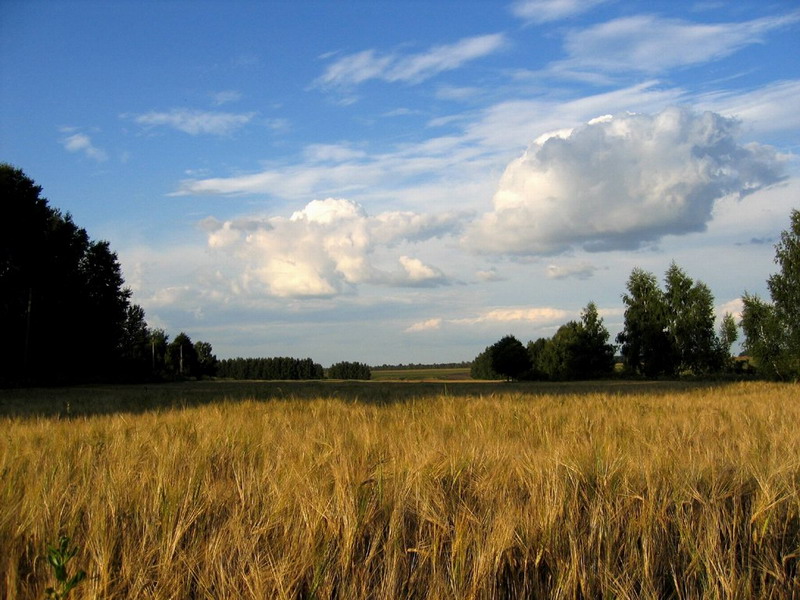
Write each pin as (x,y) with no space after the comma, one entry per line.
(58,557)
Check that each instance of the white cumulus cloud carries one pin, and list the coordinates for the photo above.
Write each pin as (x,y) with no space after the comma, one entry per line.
(733,307)
(621,182)
(324,249)
(417,272)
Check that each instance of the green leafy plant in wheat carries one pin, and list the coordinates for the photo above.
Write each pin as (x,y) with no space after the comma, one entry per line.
(58,557)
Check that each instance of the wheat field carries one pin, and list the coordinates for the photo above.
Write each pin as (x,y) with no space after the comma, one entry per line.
(691,492)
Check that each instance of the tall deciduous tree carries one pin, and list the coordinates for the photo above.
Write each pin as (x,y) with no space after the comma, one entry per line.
(669,331)
(728,334)
(509,358)
(137,355)
(595,356)
(690,314)
(646,344)
(182,357)
(784,286)
(578,350)
(537,352)
(559,357)
(482,366)
(772,330)
(206,361)
(765,337)
(159,345)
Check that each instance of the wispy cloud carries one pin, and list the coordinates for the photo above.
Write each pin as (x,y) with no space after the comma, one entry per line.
(528,315)
(333,153)
(346,170)
(196,122)
(652,44)
(80,142)
(357,68)
(511,314)
(424,173)
(225,97)
(767,109)
(488,275)
(427,325)
(757,241)
(581,270)
(402,112)
(544,11)
(449,92)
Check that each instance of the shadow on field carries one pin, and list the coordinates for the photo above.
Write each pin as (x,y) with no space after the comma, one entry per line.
(89,400)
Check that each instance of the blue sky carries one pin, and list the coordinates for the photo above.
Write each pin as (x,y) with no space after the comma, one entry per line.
(407,181)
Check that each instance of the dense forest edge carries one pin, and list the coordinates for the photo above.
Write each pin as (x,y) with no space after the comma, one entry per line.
(67,317)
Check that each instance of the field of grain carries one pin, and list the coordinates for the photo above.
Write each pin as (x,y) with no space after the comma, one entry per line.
(422,374)
(393,491)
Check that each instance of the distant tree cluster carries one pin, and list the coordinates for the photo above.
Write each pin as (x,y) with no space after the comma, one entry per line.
(65,314)
(158,358)
(417,366)
(269,368)
(578,350)
(668,332)
(505,359)
(186,359)
(671,331)
(349,370)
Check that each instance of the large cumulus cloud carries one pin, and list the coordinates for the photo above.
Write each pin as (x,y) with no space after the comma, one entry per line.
(620,182)
(325,249)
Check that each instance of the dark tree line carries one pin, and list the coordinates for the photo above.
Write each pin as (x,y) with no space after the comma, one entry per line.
(65,314)
(349,370)
(415,366)
(64,311)
(289,368)
(269,368)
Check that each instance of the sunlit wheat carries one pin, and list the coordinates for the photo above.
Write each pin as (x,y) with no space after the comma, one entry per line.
(687,494)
